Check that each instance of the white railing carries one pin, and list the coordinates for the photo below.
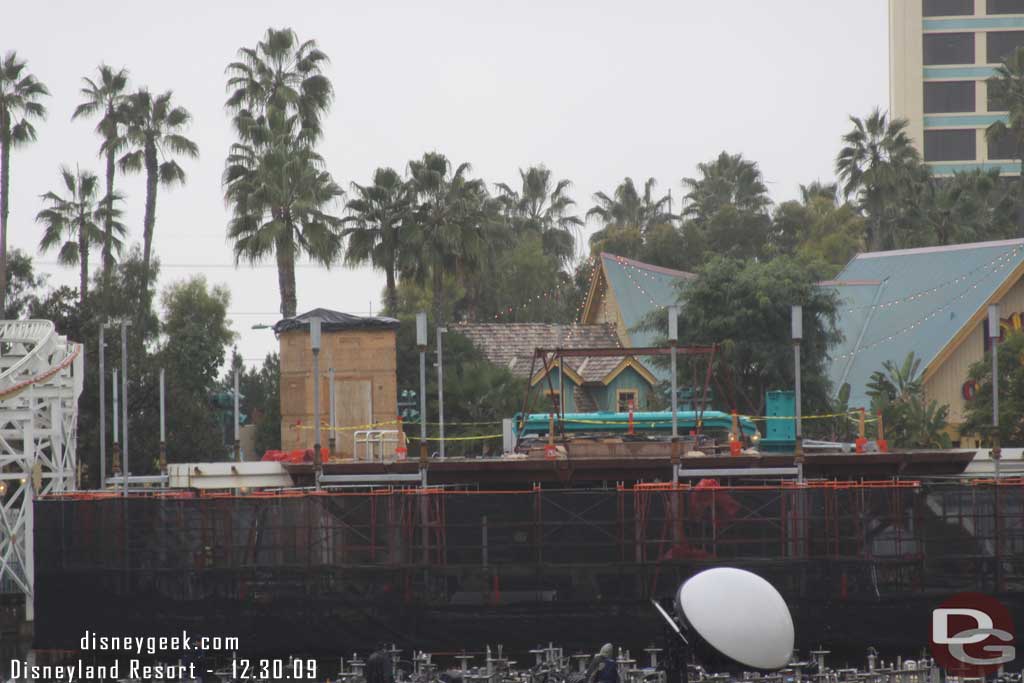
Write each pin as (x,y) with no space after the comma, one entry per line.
(375,445)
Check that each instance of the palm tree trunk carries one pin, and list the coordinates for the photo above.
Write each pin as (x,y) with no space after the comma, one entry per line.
(149,219)
(391,289)
(285,251)
(436,294)
(83,261)
(5,187)
(108,236)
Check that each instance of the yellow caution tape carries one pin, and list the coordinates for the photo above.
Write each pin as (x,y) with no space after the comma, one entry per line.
(456,438)
(326,428)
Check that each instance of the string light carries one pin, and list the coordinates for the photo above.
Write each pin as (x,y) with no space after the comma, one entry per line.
(550,295)
(923,319)
(626,268)
(1012,254)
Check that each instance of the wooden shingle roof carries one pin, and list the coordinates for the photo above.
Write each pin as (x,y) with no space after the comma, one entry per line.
(512,345)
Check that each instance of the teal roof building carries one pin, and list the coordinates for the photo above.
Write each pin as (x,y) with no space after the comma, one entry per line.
(623,291)
(931,301)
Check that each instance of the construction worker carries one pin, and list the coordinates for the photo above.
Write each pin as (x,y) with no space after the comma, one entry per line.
(603,668)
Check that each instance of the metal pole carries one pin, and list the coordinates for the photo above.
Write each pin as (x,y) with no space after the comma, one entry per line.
(238,442)
(673,340)
(103,412)
(993,334)
(116,455)
(440,387)
(314,341)
(797,323)
(421,342)
(124,403)
(332,441)
(163,425)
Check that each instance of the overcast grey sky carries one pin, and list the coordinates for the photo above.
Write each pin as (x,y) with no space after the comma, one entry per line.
(594,90)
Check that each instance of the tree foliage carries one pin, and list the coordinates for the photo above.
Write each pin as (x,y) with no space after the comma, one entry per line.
(978,418)
(72,224)
(275,181)
(744,306)
(876,164)
(910,420)
(107,96)
(477,394)
(153,139)
(20,105)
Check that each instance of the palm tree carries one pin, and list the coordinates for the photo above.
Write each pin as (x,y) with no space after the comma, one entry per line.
(452,223)
(153,135)
(1007,86)
(543,208)
(280,196)
(816,190)
(877,161)
(105,95)
(283,73)
(629,211)
(729,180)
(377,216)
(20,93)
(72,223)
(972,206)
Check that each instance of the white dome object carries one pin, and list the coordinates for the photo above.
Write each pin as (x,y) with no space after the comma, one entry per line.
(740,615)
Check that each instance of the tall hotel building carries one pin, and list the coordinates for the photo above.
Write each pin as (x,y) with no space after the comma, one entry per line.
(940,53)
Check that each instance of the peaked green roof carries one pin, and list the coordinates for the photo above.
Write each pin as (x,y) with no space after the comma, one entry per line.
(895,302)
(639,289)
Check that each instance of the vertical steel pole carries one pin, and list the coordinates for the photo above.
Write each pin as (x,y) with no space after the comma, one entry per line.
(238,431)
(332,440)
(124,403)
(421,342)
(993,334)
(797,323)
(116,455)
(103,411)
(314,342)
(440,387)
(673,340)
(163,425)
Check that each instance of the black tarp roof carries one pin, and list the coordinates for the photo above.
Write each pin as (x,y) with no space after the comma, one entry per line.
(335,321)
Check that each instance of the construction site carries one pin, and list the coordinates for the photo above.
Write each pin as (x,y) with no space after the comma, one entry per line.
(564,537)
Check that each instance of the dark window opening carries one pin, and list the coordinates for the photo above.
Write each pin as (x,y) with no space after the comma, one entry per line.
(1005,7)
(948,48)
(1003,147)
(1002,44)
(950,145)
(954,96)
(948,8)
(627,401)
(996,102)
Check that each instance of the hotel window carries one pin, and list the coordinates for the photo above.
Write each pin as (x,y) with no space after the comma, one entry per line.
(1003,148)
(1001,44)
(948,8)
(954,96)
(995,99)
(627,399)
(948,48)
(950,145)
(1005,7)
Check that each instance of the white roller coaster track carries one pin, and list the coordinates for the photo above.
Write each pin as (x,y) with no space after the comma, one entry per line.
(40,381)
